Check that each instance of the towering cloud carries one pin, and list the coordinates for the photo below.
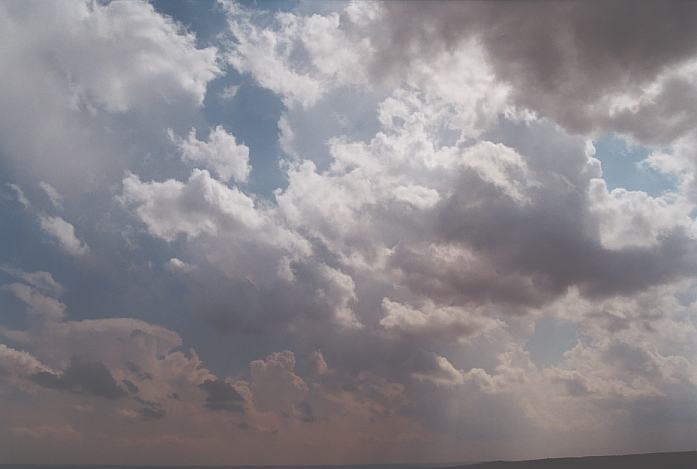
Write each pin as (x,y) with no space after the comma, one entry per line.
(362,232)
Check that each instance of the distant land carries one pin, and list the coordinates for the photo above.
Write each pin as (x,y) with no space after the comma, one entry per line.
(682,460)
(678,460)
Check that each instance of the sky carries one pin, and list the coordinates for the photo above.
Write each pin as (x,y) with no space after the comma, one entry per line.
(346,232)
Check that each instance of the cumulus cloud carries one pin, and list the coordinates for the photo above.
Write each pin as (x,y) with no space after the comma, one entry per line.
(321,41)
(434,239)
(19,194)
(633,218)
(197,207)
(318,363)
(151,411)
(473,203)
(124,360)
(612,74)
(106,61)
(41,280)
(202,206)
(175,265)
(585,67)
(53,196)
(432,321)
(440,200)
(18,362)
(221,153)
(337,290)
(82,377)
(122,80)
(221,395)
(515,211)
(275,386)
(441,373)
(39,304)
(63,233)
(229,92)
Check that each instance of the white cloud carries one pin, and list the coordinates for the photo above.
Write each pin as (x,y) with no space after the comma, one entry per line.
(337,290)
(151,52)
(18,363)
(229,92)
(442,373)
(53,196)
(274,385)
(19,194)
(676,162)
(425,226)
(78,68)
(418,196)
(634,218)
(205,206)
(431,321)
(64,234)
(221,153)
(175,265)
(202,205)
(41,280)
(325,44)
(39,304)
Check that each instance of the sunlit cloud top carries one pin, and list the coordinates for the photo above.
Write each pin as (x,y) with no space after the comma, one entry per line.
(346,232)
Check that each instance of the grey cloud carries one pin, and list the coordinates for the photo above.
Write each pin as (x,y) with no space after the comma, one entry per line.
(575,386)
(367,229)
(669,115)
(305,412)
(131,387)
(41,280)
(82,377)
(452,282)
(632,361)
(275,386)
(222,396)
(153,412)
(484,247)
(552,243)
(540,249)
(150,410)
(138,371)
(561,58)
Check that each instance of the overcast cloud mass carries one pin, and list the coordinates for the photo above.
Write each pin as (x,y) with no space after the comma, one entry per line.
(346,232)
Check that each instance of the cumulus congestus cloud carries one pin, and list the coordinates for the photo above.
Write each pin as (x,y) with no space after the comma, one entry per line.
(360,232)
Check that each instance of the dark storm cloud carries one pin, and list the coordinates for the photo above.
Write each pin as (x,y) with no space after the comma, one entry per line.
(562,58)
(222,396)
(82,377)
